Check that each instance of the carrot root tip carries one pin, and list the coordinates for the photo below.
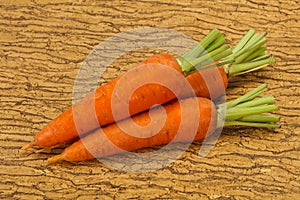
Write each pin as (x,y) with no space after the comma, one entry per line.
(41,150)
(55,159)
(28,146)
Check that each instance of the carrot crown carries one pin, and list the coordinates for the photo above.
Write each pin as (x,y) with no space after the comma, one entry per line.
(248,110)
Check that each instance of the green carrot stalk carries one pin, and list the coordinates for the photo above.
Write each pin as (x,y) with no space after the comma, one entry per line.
(248,110)
(210,50)
(248,55)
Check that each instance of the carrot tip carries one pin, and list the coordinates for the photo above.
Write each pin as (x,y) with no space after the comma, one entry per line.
(28,146)
(40,151)
(55,159)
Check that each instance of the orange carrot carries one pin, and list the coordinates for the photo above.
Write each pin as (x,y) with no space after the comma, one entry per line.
(207,82)
(112,139)
(63,129)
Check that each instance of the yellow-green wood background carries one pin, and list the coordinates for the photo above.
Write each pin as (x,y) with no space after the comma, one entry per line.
(42,45)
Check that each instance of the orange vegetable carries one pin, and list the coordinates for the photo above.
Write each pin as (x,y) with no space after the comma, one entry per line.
(207,82)
(112,139)
(63,129)
(124,136)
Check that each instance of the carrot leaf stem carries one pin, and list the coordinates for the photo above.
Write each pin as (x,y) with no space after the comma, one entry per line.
(250,51)
(257,102)
(223,54)
(260,51)
(235,69)
(203,61)
(209,66)
(217,43)
(260,118)
(249,54)
(212,56)
(255,39)
(248,111)
(210,49)
(233,114)
(262,57)
(252,124)
(243,41)
(202,45)
(246,97)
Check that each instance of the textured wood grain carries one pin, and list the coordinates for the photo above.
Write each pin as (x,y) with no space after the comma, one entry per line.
(42,45)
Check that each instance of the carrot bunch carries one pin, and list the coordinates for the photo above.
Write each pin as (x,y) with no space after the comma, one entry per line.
(204,70)
(245,111)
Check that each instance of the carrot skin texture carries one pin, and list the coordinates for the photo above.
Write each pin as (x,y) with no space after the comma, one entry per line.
(112,140)
(210,83)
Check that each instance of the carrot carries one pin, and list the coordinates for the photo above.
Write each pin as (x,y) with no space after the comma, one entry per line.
(63,129)
(196,66)
(112,139)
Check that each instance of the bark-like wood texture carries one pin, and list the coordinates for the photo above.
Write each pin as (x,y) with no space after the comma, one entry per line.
(42,46)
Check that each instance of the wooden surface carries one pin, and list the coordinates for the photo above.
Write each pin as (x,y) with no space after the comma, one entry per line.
(42,45)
